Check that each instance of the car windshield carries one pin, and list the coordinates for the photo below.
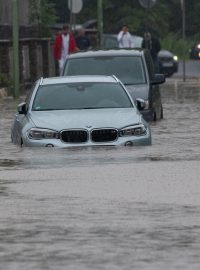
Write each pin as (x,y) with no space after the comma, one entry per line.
(130,70)
(69,96)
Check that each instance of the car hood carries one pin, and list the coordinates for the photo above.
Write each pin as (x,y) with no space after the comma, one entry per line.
(165,53)
(138,91)
(87,118)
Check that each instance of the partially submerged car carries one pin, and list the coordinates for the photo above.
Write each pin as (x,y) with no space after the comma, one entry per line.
(133,67)
(168,63)
(194,51)
(109,41)
(79,111)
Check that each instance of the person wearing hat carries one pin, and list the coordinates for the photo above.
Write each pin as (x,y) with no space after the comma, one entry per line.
(124,38)
(64,44)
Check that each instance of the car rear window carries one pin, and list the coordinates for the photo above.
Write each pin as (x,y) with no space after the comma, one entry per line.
(130,70)
(81,96)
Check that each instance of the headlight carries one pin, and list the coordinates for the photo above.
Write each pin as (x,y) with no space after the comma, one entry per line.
(136,130)
(198,46)
(39,134)
(175,57)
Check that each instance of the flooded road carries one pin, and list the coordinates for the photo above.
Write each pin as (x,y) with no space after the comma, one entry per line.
(105,208)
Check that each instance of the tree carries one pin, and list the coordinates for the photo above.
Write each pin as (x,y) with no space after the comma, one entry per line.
(43,15)
(163,17)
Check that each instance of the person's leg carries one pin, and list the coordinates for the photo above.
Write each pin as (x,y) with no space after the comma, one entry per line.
(61,65)
(156,65)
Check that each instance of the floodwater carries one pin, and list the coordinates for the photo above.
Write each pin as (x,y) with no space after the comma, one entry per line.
(105,208)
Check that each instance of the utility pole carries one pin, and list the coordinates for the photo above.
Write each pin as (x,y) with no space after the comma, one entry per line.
(71,15)
(15,33)
(183,35)
(100,21)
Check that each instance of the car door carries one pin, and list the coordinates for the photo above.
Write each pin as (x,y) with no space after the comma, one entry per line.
(21,119)
(154,89)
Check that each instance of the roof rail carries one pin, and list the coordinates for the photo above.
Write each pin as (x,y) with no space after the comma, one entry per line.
(115,77)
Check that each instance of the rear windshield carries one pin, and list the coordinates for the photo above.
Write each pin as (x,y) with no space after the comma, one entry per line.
(81,96)
(130,70)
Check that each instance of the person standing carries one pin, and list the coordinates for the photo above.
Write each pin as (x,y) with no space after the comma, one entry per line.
(153,45)
(64,44)
(124,38)
(82,41)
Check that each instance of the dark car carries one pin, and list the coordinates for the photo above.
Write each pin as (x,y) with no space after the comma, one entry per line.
(109,41)
(195,51)
(133,67)
(168,63)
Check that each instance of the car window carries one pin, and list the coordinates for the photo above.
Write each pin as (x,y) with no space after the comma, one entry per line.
(110,42)
(81,96)
(137,41)
(149,62)
(130,70)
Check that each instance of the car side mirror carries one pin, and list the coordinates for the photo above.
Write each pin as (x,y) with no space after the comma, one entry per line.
(22,108)
(158,79)
(140,103)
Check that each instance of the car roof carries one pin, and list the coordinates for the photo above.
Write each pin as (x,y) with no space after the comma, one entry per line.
(78,79)
(165,53)
(111,52)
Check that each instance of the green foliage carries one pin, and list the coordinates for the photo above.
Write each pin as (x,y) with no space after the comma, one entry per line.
(61,10)
(163,18)
(4,80)
(177,45)
(43,15)
(137,17)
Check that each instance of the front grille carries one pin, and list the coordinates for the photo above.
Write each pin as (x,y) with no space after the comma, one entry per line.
(166,59)
(74,136)
(104,135)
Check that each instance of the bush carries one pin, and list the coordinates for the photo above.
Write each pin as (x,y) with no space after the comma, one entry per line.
(4,80)
(177,45)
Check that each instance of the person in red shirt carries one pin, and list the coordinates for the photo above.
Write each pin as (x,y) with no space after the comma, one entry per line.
(64,44)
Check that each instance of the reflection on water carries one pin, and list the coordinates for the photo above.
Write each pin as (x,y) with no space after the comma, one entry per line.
(9,163)
(105,208)
(73,233)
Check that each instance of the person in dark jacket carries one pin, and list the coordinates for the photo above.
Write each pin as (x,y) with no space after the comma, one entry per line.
(82,41)
(153,45)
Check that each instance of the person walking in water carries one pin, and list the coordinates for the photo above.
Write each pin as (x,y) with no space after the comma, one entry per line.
(64,44)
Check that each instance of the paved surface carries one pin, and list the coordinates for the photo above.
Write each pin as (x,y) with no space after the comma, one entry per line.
(192,69)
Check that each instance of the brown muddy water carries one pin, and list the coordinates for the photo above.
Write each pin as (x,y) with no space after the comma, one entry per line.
(105,208)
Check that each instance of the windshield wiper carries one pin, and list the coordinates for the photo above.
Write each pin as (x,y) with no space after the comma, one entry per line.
(42,110)
(89,108)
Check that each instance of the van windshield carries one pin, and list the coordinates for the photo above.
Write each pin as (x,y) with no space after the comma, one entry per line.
(130,70)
